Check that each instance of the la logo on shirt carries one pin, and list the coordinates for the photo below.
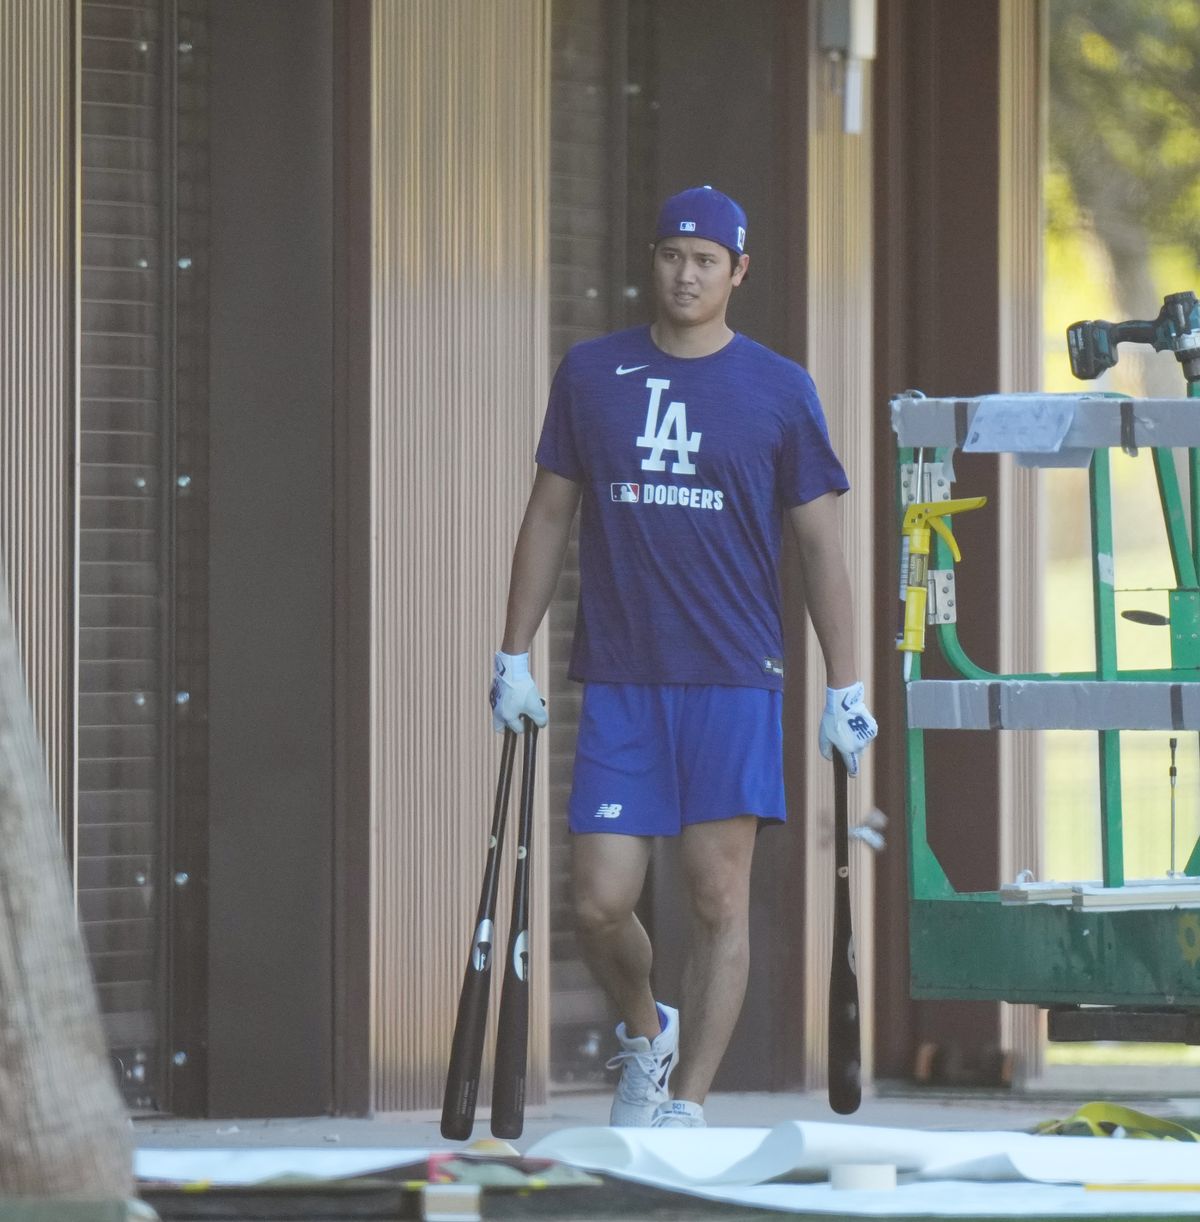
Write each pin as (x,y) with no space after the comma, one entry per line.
(671,434)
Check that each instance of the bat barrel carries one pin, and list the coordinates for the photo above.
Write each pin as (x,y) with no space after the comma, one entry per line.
(466,1056)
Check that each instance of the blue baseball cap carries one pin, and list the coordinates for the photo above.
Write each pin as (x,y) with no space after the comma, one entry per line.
(702,212)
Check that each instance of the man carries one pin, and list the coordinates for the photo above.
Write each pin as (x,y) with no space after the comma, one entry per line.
(688,444)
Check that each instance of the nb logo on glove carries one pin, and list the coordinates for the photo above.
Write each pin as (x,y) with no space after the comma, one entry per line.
(846,724)
(514,694)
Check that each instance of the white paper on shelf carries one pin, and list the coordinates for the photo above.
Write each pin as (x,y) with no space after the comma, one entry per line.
(1025,424)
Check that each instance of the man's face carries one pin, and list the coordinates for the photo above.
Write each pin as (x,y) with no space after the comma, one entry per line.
(693,279)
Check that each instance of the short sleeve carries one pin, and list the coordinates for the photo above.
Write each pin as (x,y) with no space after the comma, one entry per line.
(556,450)
(808,467)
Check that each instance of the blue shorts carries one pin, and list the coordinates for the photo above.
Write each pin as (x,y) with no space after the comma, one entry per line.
(653,759)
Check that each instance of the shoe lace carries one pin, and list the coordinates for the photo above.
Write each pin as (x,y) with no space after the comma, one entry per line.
(647,1062)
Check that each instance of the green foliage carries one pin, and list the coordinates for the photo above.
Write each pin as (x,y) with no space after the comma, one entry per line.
(1124,131)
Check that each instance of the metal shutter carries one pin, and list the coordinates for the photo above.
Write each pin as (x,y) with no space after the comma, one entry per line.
(129,700)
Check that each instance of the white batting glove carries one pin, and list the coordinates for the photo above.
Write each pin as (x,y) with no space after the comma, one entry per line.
(514,694)
(846,724)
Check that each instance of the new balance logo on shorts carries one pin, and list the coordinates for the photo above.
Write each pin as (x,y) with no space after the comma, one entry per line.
(629,494)
(609,810)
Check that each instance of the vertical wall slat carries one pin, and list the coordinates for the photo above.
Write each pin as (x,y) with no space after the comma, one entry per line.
(1022,543)
(840,297)
(459,375)
(37,330)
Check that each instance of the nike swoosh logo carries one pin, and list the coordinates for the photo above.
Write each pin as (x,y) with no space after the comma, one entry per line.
(632,369)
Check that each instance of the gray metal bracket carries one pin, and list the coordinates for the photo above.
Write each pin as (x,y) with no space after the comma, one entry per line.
(936,481)
(942,605)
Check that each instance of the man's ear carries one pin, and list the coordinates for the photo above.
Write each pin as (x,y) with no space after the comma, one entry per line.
(739,272)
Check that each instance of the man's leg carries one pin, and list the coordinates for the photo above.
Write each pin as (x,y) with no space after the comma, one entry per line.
(716,861)
(608,873)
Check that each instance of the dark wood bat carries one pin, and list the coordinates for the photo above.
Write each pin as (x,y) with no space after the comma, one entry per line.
(845,1052)
(466,1051)
(512,1032)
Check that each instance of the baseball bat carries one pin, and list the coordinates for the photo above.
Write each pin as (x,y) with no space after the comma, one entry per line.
(845,1054)
(466,1051)
(512,1031)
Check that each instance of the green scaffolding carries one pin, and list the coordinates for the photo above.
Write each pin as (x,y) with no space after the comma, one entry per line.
(971,945)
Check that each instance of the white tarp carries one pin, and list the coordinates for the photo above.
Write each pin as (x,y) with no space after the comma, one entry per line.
(945,1173)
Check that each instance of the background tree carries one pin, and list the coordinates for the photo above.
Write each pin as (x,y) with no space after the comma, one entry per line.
(1124,136)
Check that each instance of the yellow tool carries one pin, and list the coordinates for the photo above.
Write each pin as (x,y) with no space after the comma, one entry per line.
(919,519)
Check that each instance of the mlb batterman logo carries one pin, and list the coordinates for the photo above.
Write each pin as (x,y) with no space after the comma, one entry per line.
(687,226)
(627,494)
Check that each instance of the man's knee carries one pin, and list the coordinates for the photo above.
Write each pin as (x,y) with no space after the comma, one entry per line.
(607,874)
(721,900)
(598,911)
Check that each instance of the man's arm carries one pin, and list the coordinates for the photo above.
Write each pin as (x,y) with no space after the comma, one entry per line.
(827,585)
(538,557)
(847,723)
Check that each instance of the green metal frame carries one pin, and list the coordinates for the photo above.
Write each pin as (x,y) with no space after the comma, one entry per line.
(970,945)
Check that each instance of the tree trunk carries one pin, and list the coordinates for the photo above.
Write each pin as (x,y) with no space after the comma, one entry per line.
(63,1131)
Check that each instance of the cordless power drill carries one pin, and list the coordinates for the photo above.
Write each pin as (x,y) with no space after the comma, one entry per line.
(1093,345)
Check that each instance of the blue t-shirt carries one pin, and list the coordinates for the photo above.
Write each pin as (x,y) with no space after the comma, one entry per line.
(686,467)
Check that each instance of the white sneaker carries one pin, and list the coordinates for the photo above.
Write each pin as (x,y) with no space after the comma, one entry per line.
(678,1114)
(645,1070)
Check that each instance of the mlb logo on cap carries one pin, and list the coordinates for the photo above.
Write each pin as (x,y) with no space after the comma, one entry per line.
(705,213)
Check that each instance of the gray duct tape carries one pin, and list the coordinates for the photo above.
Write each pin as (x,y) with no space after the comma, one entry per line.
(1016,704)
(1128,437)
(995,711)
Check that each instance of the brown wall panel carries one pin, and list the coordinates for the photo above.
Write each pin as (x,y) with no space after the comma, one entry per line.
(725,128)
(37,358)
(589,180)
(937,328)
(840,359)
(270,598)
(459,368)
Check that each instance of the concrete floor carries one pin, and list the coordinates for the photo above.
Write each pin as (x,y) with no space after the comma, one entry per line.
(965,1109)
